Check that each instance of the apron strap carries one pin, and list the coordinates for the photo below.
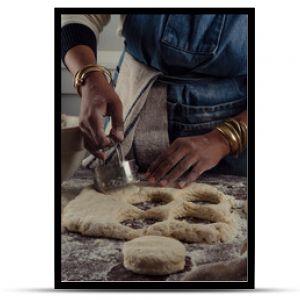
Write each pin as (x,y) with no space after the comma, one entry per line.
(151,134)
(134,86)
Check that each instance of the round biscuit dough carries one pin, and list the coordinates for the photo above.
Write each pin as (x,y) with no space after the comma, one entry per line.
(154,255)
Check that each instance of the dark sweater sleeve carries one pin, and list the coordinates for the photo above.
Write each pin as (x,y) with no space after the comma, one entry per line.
(77,34)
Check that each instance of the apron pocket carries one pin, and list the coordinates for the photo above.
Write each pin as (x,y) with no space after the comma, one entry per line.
(197,34)
(189,41)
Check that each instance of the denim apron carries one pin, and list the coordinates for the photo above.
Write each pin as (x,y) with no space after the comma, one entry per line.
(203,59)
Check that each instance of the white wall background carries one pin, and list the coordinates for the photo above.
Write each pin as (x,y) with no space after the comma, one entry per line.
(109,50)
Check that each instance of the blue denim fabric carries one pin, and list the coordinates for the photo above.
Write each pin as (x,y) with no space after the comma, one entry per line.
(203,59)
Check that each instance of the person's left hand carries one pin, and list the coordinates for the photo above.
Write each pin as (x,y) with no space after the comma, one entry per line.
(197,154)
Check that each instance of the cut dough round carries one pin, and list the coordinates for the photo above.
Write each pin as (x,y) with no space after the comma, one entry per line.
(154,255)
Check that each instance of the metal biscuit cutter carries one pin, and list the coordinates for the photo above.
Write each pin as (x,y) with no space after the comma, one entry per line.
(114,174)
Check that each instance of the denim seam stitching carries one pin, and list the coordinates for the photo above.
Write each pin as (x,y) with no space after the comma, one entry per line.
(212,108)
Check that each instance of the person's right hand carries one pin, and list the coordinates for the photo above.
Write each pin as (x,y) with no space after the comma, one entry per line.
(99,100)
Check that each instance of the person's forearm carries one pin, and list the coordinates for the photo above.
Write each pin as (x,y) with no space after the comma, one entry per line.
(81,30)
(78,57)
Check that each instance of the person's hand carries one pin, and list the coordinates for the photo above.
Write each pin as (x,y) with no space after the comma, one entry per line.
(99,100)
(188,156)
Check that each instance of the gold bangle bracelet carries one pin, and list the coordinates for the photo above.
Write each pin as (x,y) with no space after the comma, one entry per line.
(81,75)
(235,124)
(235,133)
(230,137)
(244,134)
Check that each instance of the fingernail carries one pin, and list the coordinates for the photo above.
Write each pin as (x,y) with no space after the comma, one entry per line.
(163,182)
(101,155)
(181,184)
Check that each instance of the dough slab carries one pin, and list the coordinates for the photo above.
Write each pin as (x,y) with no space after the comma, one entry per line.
(200,213)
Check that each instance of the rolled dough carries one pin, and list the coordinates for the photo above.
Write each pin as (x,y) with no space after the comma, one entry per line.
(154,255)
(199,213)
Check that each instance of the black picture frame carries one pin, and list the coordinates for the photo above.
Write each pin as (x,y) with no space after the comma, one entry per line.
(151,286)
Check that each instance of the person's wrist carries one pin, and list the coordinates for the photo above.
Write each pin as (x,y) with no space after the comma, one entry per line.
(93,78)
(216,137)
(92,81)
(89,71)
